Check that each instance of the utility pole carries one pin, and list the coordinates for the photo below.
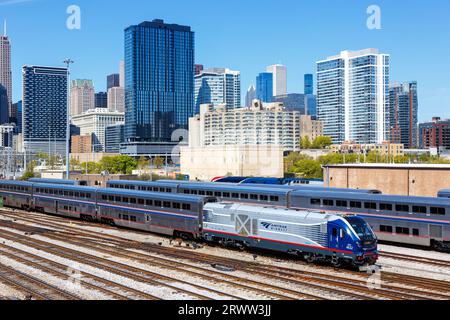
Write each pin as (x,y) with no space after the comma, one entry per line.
(68,62)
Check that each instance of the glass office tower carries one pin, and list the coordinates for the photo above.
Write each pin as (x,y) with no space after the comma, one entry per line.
(309,84)
(264,87)
(159,81)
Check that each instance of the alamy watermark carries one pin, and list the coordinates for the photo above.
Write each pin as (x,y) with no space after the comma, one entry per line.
(73,22)
(374,19)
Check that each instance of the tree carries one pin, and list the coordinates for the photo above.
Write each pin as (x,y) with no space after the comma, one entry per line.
(143,163)
(308,169)
(159,162)
(322,142)
(305,143)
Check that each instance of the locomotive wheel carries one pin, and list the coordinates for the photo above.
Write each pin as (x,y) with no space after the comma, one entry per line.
(336,262)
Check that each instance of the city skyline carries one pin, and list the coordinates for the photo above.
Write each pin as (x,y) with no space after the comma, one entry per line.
(299,57)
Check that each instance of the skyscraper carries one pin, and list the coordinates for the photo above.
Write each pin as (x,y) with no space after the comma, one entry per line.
(44,109)
(17,107)
(159,92)
(5,78)
(403,113)
(116,99)
(82,96)
(101,100)
(309,84)
(264,87)
(113,80)
(293,102)
(122,74)
(218,86)
(353,96)
(250,96)
(198,68)
(279,79)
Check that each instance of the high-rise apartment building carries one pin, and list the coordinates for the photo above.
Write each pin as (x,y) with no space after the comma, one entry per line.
(250,96)
(113,80)
(159,82)
(279,79)
(269,124)
(435,134)
(44,109)
(5,78)
(82,96)
(309,84)
(403,114)
(353,96)
(264,87)
(218,86)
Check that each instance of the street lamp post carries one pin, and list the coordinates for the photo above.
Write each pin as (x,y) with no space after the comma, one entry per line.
(68,62)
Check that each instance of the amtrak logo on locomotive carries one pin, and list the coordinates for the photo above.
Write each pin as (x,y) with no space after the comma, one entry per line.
(274,227)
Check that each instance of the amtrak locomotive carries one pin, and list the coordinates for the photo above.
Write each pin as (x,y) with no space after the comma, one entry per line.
(418,221)
(312,235)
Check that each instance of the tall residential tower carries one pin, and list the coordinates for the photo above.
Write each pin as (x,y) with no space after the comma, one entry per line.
(353,96)
(159,82)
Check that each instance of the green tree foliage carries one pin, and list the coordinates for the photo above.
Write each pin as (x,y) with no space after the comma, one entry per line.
(322,143)
(159,162)
(113,165)
(305,143)
(143,163)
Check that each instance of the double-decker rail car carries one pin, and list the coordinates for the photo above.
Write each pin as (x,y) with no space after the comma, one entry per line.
(444,194)
(409,220)
(312,235)
(54,181)
(16,194)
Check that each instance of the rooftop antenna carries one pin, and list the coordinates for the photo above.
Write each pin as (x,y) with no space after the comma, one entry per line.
(4,28)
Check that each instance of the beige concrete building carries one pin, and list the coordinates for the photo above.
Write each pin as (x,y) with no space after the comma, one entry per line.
(81,144)
(116,99)
(206,163)
(91,157)
(82,96)
(268,124)
(98,180)
(310,128)
(407,180)
(384,149)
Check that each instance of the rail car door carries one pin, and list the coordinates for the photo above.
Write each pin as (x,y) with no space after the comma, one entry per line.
(333,236)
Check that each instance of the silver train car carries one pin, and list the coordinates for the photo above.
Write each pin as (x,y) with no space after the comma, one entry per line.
(169,214)
(404,220)
(444,194)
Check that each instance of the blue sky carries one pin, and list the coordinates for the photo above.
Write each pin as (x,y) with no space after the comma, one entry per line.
(245,35)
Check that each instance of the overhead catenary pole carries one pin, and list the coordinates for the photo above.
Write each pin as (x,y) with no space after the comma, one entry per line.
(68,62)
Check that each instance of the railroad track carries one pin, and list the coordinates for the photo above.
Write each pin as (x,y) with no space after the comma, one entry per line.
(422,260)
(315,281)
(109,288)
(33,288)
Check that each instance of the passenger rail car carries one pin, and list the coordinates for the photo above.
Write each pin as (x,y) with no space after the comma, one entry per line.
(54,181)
(410,220)
(311,235)
(418,220)
(314,236)
(444,194)
(174,215)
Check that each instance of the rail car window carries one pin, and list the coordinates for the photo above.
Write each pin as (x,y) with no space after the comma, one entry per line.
(274,199)
(355,204)
(141,201)
(387,229)
(167,204)
(118,199)
(329,203)
(416,232)
(315,202)
(235,195)
(402,208)
(149,202)
(386,206)
(226,195)
(158,203)
(202,193)
(186,192)
(254,197)
(370,205)
(244,196)
(176,205)
(186,206)
(400,230)
(125,200)
(263,198)
(341,203)
(209,193)
(133,201)
(110,198)
(419,209)
(104,197)
(437,211)
(126,217)
(218,194)
(168,190)
(133,219)
(155,189)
